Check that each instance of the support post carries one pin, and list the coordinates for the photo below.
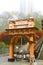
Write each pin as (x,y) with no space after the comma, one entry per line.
(11,53)
(31,45)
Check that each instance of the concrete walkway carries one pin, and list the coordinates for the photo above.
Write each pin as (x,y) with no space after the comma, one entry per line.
(4,61)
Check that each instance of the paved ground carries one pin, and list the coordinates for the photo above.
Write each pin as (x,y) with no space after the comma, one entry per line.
(4,61)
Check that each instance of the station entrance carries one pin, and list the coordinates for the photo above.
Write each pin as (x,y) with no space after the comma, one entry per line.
(18,29)
(16,35)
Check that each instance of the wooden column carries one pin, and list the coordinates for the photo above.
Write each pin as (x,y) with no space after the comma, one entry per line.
(31,45)
(11,52)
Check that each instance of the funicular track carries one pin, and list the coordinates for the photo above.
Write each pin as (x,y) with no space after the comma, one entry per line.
(38,46)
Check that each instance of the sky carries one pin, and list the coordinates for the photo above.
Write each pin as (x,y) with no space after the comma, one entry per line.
(21,5)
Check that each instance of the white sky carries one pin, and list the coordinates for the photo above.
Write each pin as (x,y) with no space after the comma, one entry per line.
(9,5)
(14,5)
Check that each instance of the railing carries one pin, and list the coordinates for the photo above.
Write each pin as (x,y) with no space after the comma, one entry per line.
(4,51)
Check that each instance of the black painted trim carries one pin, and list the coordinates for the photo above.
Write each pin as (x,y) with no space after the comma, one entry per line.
(22,28)
(21,34)
(31,41)
(10,60)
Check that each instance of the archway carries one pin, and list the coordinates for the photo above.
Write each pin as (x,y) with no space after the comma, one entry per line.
(14,40)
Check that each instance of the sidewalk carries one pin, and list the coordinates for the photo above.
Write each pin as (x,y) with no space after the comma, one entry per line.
(4,61)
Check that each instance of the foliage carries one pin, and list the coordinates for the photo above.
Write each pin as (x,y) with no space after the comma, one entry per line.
(3,45)
(37,24)
(3,48)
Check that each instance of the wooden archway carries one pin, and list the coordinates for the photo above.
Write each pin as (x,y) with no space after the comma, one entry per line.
(17,33)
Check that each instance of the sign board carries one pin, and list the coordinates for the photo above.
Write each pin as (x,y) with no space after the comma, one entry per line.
(21,24)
